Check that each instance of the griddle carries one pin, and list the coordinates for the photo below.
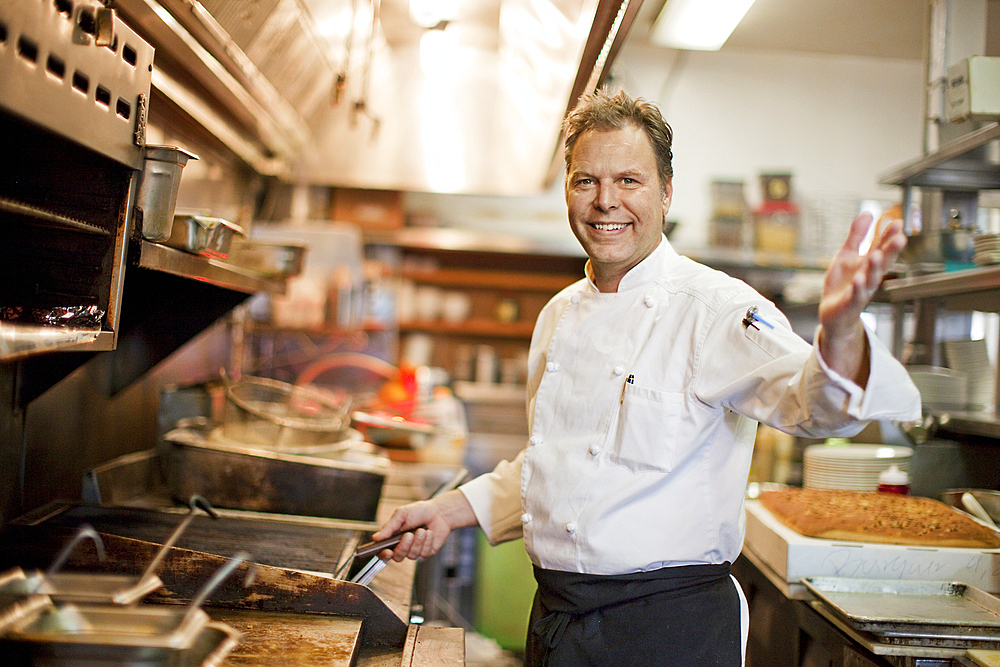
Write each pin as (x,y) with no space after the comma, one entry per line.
(293,557)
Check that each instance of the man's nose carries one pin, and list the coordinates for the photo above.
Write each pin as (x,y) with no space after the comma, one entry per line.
(607,198)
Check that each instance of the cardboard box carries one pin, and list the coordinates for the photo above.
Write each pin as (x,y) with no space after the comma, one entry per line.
(973,90)
(793,556)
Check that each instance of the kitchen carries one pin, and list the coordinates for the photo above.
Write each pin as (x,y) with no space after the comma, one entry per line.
(108,406)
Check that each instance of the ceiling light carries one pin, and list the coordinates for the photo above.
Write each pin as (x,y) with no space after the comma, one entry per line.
(700,25)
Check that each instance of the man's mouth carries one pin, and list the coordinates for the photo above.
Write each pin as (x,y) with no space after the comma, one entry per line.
(609,226)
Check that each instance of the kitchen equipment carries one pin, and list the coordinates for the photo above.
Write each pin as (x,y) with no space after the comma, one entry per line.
(107,588)
(93,635)
(940,388)
(270,481)
(16,602)
(290,554)
(203,235)
(977,510)
(262,411)
(158,187)
(913,613)
(269,259)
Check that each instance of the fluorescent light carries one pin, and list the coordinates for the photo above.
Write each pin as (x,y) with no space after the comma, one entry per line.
(699,25)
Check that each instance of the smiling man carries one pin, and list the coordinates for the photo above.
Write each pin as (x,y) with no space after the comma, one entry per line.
(646,382)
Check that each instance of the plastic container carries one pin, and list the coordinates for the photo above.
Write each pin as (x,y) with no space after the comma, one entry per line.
(894,480)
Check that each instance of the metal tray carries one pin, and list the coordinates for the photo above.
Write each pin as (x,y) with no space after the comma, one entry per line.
(210,648)
(261,481)
(916,613)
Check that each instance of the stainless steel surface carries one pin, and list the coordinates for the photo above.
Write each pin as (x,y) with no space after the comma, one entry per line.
(179,263)
(268,259)
(208,647)
(55,76)
(950,167)
(915,613)
(269,481)
(275,71)
(203,235)
(158,187)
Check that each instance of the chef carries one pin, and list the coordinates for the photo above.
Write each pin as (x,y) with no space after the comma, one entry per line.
(646,382)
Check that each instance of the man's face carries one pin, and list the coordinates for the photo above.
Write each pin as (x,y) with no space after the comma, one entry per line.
(614,201)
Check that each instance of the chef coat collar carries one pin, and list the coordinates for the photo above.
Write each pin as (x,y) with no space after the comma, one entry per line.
(648,270)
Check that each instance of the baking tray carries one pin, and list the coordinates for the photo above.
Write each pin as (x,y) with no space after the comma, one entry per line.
(913,613)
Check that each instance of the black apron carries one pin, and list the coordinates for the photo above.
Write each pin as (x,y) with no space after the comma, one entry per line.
(687,616)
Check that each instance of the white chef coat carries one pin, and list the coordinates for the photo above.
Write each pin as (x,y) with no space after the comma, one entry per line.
(643,408)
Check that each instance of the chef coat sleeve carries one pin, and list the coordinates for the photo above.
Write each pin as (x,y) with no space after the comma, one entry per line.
(496,500)
(783,382)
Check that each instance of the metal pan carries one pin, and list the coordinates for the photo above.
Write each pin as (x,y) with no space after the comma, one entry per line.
(88,635)
(916,613)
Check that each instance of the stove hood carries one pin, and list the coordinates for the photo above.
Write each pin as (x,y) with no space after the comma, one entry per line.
(355,93)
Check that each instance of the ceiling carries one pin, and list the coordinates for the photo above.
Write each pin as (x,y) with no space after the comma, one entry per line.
(882,29)
(513,69)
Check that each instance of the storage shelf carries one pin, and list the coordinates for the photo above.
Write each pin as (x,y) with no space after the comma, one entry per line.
(950,167)
(501,280)
(475,327)
(968,289)
(179,263)
(982,423)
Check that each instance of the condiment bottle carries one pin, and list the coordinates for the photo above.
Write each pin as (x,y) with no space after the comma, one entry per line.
(894,480)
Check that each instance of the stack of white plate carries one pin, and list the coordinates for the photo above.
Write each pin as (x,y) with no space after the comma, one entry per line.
(851,467)
(972,358)
(941,388)
(987,249)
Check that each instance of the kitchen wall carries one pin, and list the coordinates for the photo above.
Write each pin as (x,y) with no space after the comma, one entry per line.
(835,122)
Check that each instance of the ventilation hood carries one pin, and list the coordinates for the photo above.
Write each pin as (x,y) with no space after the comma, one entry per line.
(356,93)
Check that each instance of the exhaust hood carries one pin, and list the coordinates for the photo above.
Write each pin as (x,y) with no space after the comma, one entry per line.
(356,93)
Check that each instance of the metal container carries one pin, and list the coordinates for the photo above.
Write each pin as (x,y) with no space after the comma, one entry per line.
(160,181)
(269,259)
(203,235)
(262,481)
(913,613)
(989,499)
(275,414)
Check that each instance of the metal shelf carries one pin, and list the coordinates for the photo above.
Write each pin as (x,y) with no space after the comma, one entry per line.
(968,289)
(952,167)
(179,263)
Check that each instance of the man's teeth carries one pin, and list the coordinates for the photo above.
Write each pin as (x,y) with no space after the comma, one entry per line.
(610,227)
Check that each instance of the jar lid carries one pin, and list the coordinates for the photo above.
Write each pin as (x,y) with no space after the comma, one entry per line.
(893,476)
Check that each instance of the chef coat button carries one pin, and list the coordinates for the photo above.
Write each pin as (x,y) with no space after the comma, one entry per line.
(535,440)
(595,450)
(525,518)
(617,370)
(649,301)
(575,299)
(552,367)
(571,527)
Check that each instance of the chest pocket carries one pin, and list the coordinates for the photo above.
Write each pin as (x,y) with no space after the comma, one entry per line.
(644,437)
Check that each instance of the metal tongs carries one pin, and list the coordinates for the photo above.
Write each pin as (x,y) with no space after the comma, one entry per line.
(371,569)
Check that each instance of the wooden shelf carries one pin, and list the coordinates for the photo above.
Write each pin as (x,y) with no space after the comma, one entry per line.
(475,327)
(501,280)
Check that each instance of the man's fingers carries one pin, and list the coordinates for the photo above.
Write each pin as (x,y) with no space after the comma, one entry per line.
(858,231)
